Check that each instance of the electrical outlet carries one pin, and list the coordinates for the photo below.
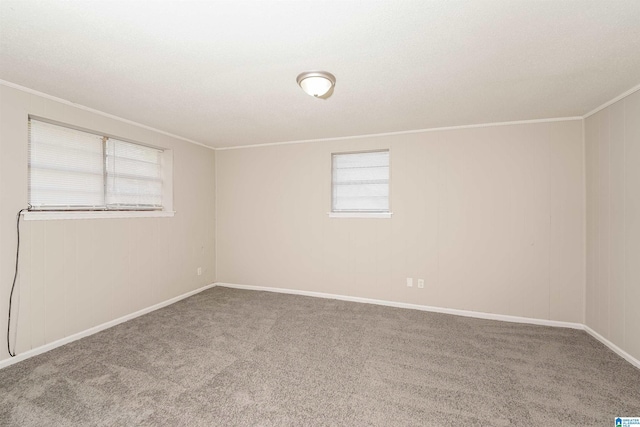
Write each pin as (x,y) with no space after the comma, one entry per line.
(410,282)
(421,283)
(199,271)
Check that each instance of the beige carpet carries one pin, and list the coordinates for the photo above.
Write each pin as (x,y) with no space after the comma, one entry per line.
(229,357)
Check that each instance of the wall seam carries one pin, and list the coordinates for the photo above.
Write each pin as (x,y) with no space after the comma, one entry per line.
(609,227)
(215,214)
(549,202)
(585,227)
(598,223)
(624,223)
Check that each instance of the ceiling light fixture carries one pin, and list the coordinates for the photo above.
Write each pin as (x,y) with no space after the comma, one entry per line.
(316,83)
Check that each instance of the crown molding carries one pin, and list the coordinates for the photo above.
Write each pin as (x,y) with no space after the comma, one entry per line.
(613,101)
(304,141)
(101,113)
(404,132)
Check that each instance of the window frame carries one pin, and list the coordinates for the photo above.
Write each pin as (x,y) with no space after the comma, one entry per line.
(79,212)
(360,214)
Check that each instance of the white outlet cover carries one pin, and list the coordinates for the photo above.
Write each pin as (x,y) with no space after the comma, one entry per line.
(409,282)
(421,283)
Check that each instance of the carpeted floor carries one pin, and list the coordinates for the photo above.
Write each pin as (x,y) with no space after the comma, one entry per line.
(228,357)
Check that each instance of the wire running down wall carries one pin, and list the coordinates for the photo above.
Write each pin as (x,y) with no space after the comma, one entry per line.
(78,274)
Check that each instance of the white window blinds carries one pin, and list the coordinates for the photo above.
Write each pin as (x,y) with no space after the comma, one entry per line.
(71,169)
(65,168)
(134,176)
(360,182)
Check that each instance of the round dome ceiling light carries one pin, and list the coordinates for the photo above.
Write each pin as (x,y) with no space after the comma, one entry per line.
(316,83)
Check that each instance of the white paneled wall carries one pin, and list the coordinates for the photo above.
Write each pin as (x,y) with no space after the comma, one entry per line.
(612,139)
(77,274)
(491,218)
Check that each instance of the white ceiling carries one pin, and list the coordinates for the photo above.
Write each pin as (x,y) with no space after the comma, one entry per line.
(224,73)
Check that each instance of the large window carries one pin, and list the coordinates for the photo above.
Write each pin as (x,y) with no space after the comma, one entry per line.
(71,169)
(360,182)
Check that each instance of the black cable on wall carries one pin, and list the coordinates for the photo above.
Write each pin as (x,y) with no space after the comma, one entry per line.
(13,286)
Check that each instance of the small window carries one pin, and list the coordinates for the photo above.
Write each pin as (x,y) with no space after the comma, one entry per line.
(71,169)
(360,182)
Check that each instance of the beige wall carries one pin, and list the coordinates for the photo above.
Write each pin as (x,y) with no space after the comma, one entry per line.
(492,218)
(612,139)
(76,274)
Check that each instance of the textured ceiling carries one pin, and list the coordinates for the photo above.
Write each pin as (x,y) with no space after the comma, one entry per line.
(224,73)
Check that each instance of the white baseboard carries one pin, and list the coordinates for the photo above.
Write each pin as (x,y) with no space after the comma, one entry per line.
(95,329)
(620,352)
(465,313)
(477,314)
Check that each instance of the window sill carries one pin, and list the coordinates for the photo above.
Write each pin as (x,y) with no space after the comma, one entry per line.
(50,215)
(360,214)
